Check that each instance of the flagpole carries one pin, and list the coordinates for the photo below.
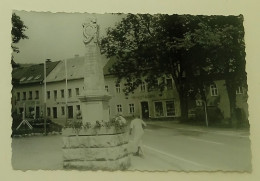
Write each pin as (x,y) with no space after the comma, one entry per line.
(34,116)
(45,95)
(66,92)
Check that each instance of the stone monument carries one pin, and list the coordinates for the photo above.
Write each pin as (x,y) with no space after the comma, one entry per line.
(95,142)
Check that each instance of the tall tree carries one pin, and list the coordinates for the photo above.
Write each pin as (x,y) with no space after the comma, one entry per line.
(226,52)
(18,29)
(153,46)
(141,44)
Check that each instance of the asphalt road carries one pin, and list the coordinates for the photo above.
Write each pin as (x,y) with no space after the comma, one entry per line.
(166,147)
(186,148)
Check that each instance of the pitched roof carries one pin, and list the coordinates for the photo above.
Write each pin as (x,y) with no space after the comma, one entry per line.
(32,74)
(75,69)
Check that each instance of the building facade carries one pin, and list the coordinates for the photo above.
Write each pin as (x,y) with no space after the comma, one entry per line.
(62,101)
(28,88)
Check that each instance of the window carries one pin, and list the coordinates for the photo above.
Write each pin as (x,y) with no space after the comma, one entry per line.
(62,110)
(119,108)
(18,96)
(37,77)
(132,108)
(77,91)
(36,94)
(55,94)
(118,88)
(48,94)
(143,86)
(106,88)
(78,107)
(30,95)
(169,84)
(158,109)
(48,111)
(213,90)
(22,79)
(239,90)
(69,93)
(170,109)
(30,78)
(62,93)
(24,95)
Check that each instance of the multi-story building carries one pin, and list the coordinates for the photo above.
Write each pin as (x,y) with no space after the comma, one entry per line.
(28,88)
(143,102)
(147,103)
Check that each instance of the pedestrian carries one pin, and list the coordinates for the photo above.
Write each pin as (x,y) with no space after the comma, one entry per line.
(137,131)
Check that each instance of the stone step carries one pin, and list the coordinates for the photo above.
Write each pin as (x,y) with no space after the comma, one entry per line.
(119,164)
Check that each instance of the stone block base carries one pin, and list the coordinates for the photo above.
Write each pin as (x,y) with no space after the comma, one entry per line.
(96,152)
(112,165)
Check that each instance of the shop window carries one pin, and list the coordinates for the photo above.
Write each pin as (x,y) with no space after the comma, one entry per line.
(158,109)
(170,109)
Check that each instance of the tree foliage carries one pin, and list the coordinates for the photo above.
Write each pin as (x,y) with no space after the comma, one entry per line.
(188,48)
(17,32)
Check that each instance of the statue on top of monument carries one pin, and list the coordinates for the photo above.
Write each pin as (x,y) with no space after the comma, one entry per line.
(90,30)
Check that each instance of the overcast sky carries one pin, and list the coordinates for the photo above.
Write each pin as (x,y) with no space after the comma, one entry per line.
(56,36)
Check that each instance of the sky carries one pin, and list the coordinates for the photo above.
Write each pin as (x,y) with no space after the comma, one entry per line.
(56,36)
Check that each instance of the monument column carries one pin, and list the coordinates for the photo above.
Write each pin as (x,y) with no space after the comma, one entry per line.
(94,97)
(95,142)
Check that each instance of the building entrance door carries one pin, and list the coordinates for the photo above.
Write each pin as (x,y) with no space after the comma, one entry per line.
(70,111)
(54,109)
(145,109)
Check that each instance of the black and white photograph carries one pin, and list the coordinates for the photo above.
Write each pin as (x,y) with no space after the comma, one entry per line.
(129,92)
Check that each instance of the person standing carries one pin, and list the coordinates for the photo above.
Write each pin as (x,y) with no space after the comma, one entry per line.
(137,130)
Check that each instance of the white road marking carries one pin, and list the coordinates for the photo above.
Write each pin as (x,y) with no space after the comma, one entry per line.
(176,157)
(202,140)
